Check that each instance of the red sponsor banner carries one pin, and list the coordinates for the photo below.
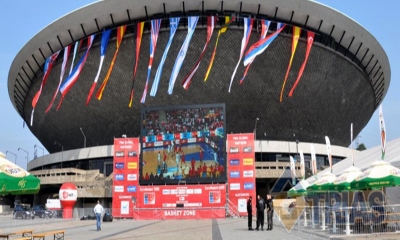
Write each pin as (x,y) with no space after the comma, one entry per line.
(241,170)
(186,196)
(125,176)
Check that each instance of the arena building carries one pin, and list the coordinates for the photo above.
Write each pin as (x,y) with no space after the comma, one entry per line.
(346,77)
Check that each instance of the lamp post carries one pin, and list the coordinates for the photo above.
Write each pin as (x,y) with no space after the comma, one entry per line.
(15,155)
(84,143)
(62,151)
(27,157)
(37,146)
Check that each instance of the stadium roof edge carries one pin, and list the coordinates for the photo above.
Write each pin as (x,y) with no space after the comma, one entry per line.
(305,13)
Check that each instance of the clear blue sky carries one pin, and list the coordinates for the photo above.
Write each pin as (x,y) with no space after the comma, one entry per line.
(22,19)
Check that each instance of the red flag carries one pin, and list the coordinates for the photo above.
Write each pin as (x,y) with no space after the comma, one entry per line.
(310,40)
(139,33)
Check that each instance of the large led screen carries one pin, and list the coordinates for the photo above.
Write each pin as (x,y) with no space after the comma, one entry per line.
(183,145)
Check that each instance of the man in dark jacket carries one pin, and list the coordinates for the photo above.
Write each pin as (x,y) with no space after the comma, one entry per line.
(270,212)
(250,213)
(260,213)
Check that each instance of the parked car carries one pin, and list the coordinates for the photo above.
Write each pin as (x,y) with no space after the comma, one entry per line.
(23,212)
(42,212)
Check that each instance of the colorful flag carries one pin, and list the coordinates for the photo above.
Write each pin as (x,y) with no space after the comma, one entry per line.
(103,48)
(383,132)
(310,40)
(48,65)
(292,171)
(211,20)
(182,52)
(329,151)
(73,77)
(139,33)
(173,25)
(120,36)
(77,47)
(260,46)
(302,167)
(313,161)
(296,35)
(155,29)
(248,26)
(67,50)
(228,21)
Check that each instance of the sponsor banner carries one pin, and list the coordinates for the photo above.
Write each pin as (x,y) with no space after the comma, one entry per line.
(158,144)
(164,196)
(68,195)
(191,140)
(125,180)
(247,161)
(241,159)
(248,173)
(197,213)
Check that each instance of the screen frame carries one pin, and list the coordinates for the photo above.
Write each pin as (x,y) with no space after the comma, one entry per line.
(209,180)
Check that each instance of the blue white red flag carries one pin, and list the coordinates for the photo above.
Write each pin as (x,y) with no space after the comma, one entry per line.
(67,50)
(155,29)
(76,50)
(211,20)
(182,52)
(173,25)
(248,26)
(105,36)
(264,31)
(73,77)
(260,46)
(48,65)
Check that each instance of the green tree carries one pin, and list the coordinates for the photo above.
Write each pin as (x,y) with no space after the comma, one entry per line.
(361,147)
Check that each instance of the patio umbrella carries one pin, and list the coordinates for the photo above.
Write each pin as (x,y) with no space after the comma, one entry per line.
(380,174)
(342,183)
(15,180)
(322,184)
(300,189)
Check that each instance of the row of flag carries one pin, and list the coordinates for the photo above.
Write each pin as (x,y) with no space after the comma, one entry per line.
(248,57)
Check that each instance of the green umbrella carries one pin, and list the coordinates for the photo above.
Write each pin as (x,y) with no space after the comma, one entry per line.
(380,174)
(15,180)
(322,184)
(342,183)
(299,190)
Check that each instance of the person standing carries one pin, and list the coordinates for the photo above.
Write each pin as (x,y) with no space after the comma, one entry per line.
(260,213)
(98,210)
(270,212)
(250,213)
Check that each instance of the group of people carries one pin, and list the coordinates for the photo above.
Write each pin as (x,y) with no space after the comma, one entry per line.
(261,206)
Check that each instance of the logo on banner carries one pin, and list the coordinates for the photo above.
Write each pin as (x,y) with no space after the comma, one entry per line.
(132,165)
(234,186)
(132,177)
(234,162)
(119,154)
(191,140)
(234,150)
(235,174)
(248,186)
(149,198)
(131,188)
(132,154)
(242,205)
(158,144)
(119,165)
(119,177)
(214,197)
(248,173)
(124,207)
(247,149)
(118,188)
(166,191)
(247,161)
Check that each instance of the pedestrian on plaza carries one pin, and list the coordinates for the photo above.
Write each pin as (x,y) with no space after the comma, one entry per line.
(98,210)
(250,213)
(260,213)
(270,212)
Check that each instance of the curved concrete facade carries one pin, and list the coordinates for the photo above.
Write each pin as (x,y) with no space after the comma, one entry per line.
(346,77)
